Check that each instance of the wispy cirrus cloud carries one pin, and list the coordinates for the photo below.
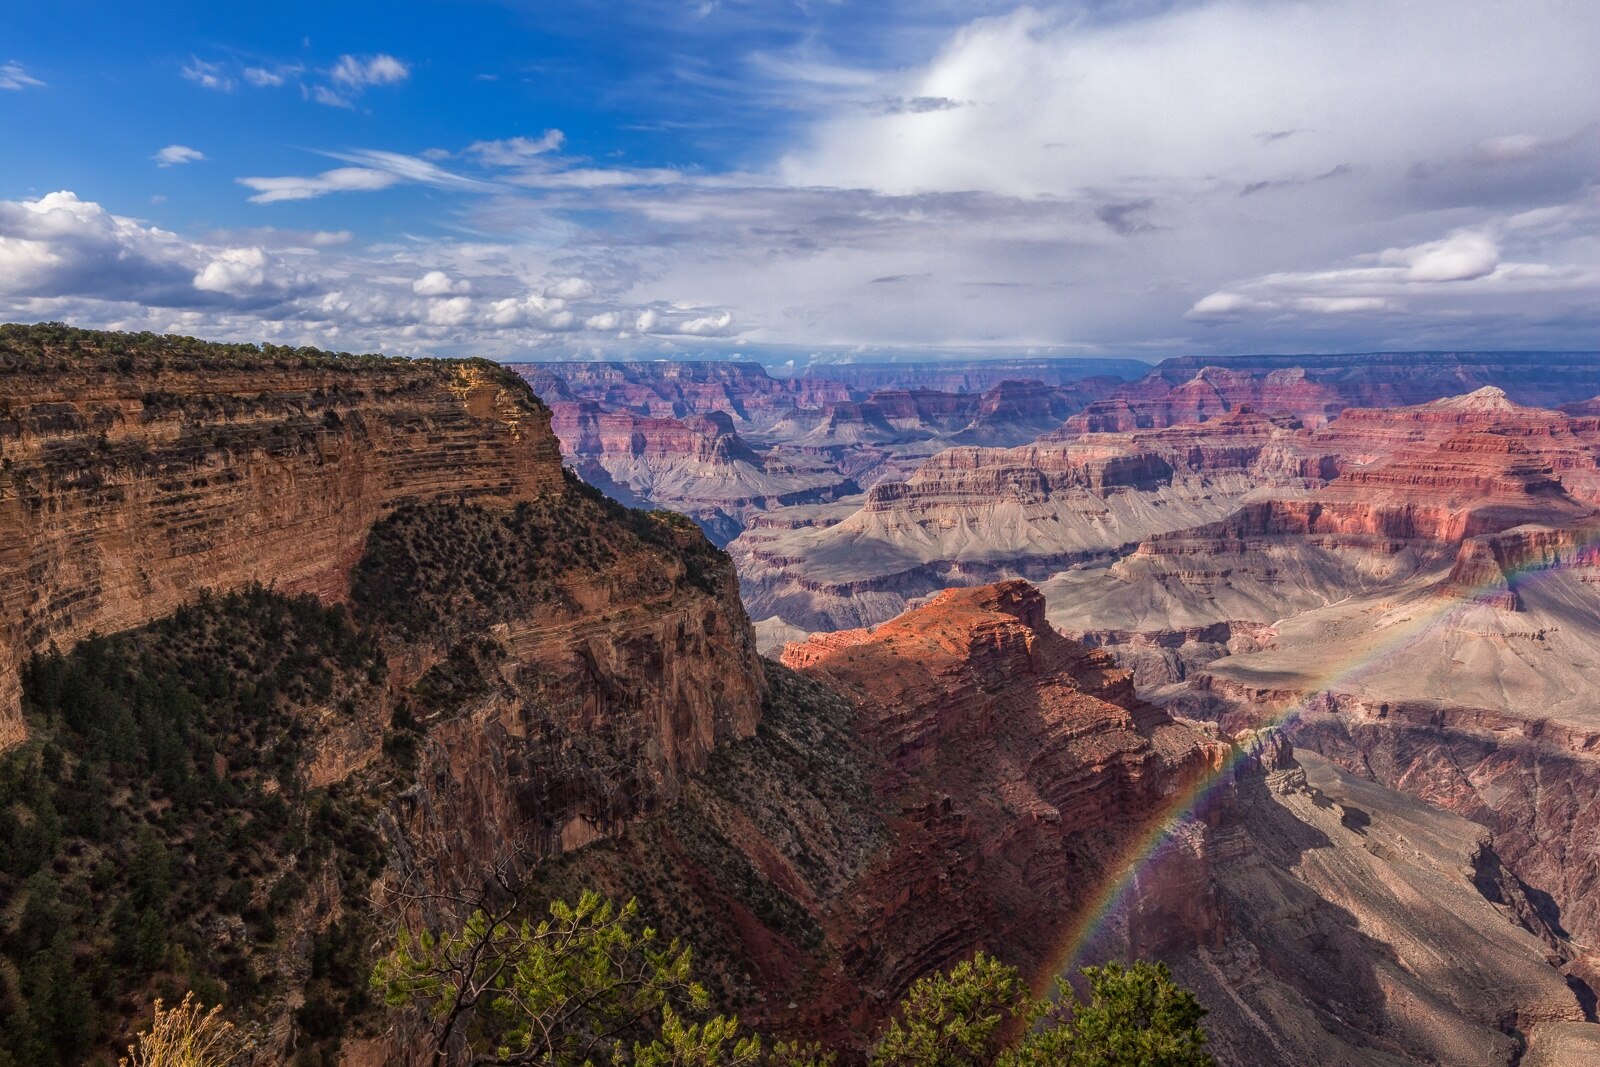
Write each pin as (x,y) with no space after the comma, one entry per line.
(309,187)
(15,78)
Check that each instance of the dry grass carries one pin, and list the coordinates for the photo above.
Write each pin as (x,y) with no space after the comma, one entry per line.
(186,1036)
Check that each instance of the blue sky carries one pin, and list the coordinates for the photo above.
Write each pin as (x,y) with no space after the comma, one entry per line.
(783,179)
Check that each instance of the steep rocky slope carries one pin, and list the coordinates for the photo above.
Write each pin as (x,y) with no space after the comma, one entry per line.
(549,668)
(137,470)
(954,779)
(1359,926)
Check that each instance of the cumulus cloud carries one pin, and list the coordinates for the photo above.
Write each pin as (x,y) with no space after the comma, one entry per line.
(64,257)
(338,180)
(1465,268)
(438,283)
(570,289)
(176,154)
(234,271)
(718,325)
(13,77)
(454,311)
(62,246)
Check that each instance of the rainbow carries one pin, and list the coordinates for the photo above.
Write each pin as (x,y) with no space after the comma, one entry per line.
(1114,892)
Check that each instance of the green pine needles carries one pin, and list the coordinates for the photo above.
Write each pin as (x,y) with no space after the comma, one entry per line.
(592,985)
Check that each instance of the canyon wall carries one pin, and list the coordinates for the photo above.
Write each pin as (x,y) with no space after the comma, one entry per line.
(137,473)
(956,779)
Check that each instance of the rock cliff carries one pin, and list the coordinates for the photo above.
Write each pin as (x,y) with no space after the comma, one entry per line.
(513,666)
(138,470)
(957,778)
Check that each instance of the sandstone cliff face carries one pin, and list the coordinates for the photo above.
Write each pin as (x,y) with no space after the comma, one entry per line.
(1372,499)
(975,779)
(132,479)
(591,695)
(557,667)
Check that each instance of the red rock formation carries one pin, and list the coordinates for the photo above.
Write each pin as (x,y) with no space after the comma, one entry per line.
(981,775)
(130,486)
(1017,759)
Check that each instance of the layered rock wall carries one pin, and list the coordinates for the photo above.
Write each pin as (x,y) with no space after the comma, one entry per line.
(132,481)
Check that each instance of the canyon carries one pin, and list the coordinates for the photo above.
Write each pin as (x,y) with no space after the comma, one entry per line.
(1210,692)
(1391,558)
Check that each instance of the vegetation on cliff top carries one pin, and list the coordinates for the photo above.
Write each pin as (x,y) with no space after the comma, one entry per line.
(450,570)
(55,346)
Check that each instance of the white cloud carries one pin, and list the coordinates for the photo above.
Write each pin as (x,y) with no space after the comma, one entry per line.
(515,151)
(265,78)
(438,283)
(570,289)
(360,71)
(1061,102)
(454,311)
(718,325)
(324,95)
(411,169)
(1458,257)
(1464,268)
(175,154)
(338,180)
(13,77)
(207,75)
(233,271)
(61,246)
